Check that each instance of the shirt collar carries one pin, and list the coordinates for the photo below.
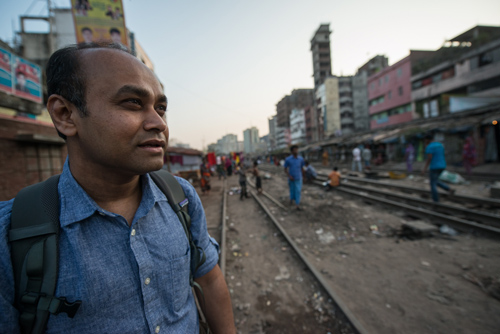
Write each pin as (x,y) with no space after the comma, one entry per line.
(76,205)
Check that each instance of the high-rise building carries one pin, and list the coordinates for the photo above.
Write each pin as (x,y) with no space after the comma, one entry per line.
(328,106)
(298,99)
(250,139)
(272,132)
(374,65)
(297,127)
(320,47)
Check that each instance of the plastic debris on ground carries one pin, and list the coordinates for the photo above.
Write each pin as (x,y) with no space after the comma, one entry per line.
(326,238)
(445,229)
(284,274)
(450,177)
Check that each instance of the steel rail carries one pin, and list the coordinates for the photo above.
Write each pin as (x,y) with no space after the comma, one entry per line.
(462,198)
(455,197)
(478,216)
(222,259)
(336,299)
(458,223)
(272,199)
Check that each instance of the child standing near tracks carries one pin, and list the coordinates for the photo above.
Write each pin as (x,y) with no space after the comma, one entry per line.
(243,180)
(258,180)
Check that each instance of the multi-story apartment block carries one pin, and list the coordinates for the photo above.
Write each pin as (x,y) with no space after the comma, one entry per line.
(463,74)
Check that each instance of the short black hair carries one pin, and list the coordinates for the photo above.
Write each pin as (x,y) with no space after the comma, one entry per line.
(335,168)
(114,31)
(65,76)
(86,28)
(429,136)
(255,163)
(293,147)
(306,162)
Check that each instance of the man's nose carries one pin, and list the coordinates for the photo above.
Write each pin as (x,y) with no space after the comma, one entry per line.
(154,121)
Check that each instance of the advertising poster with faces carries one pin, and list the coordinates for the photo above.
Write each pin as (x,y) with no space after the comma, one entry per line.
(99,20)
(20,77)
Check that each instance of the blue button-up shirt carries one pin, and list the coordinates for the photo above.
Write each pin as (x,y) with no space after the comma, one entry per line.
(295,165)
(130,279)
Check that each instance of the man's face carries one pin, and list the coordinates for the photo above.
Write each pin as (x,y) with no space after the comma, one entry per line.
(126,128)
(295,151)
(87,36)
(21,80)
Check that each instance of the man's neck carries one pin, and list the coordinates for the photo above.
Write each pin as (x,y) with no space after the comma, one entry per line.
(113,191)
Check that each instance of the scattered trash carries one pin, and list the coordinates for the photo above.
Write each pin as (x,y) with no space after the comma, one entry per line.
(326,238)
(267,176)
(320,231)
(425,263)
(268,303)
(235,248)
(282,219)
(388,305)
(445,229)
(450,177)
(246,254)
(284,274)
(374,228)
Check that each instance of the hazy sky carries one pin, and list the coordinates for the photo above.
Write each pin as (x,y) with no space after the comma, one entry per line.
(225,64)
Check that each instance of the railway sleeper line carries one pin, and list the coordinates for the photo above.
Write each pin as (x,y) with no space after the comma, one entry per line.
(459,223)
(356,325)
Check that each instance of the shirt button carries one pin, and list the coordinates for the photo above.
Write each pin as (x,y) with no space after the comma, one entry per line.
(157,329)
(133,232)
(147,282)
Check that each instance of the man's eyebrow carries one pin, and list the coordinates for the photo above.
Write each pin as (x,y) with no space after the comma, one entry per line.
(129,89)
(141,92)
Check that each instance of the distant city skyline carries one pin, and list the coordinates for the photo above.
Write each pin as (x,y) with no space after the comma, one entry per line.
(225,65)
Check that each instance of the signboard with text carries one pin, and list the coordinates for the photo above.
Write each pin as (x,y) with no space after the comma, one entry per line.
(20,77)
(98,20)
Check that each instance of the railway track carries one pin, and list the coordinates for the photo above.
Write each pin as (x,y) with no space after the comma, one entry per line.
(341,306)
(459,217)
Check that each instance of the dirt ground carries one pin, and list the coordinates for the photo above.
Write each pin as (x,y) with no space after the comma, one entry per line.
(271,289)
(432,285)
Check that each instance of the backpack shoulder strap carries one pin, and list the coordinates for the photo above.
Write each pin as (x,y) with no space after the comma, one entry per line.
(33,236)
(177,199)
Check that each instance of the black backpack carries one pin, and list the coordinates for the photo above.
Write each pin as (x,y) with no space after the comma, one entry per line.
(34,237)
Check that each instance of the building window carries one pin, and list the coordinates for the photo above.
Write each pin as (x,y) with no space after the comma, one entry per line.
(389,94)
(372,85)
(380,81)
(386,78)
(400,90)
(399,72)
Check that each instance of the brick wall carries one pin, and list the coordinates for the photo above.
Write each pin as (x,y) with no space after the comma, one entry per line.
(24,163)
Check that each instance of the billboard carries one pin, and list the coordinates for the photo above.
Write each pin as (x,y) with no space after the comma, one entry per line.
(20,77)
(5,71)
(99,20)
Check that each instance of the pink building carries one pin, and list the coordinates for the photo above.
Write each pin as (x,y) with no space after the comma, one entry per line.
(389,95)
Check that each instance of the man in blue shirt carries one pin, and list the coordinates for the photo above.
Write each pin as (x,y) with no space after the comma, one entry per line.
(123,251)
(436,163)
(294,169)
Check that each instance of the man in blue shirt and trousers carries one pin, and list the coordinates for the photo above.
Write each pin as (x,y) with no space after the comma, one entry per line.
(436,163)
(122,249)
(294,169)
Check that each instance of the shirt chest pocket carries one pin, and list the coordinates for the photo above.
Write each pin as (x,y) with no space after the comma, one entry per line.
(179,289)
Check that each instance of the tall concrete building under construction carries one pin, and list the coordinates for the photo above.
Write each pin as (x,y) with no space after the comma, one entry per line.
(320,48)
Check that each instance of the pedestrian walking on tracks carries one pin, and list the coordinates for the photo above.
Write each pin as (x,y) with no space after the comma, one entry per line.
(294,169)
(356,159)
(437,163)
(115,238)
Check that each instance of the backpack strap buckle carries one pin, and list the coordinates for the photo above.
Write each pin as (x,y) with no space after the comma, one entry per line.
(61,305)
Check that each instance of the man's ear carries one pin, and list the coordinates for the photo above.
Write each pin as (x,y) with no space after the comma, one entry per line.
(62,113)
